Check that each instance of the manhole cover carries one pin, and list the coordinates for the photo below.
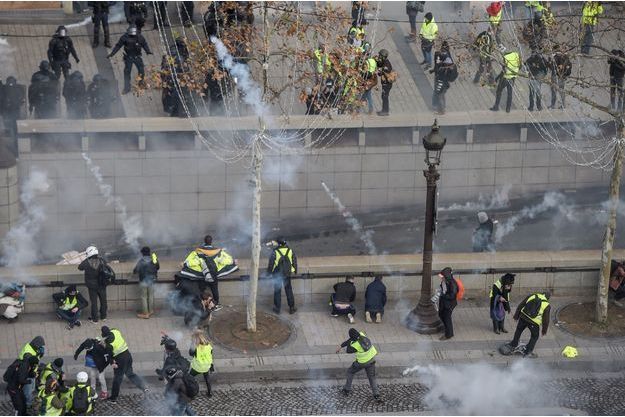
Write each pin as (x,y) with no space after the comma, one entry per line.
(229,329)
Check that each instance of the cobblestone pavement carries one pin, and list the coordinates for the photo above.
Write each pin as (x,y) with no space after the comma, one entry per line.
(595,396)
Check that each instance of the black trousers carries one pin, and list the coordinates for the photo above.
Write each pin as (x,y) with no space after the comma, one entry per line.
(18,400)
(444,313)
(124,367)
(207,378)
(214,287)
(507,84)
(96,294)
(534,330)
(386,91)
(100,19)
(129,61)
(277,291)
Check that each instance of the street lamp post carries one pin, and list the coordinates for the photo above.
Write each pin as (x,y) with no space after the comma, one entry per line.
(424,318)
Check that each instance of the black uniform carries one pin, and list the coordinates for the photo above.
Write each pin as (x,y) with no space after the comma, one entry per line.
(160,14)
(59,49)
(132,55)
(75,95)
(100,17)
(186,12)
(42,96)
(384,72)
(617,73)
(11,102)
(136,13)
(99,97)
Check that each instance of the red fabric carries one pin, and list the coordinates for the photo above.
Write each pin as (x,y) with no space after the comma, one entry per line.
(494,8)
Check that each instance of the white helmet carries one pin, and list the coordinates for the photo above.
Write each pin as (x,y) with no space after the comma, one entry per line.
(91,250)
(82,377)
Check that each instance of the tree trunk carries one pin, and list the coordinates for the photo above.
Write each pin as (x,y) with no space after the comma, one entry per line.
(257,166)
(608,238)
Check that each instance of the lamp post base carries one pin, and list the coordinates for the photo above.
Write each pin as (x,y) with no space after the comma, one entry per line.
(424,319)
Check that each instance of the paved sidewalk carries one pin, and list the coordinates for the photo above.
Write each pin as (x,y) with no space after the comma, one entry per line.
(310,352)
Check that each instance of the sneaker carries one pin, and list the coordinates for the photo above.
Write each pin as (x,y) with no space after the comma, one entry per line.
(350,316)
(275,310)
(292,310)
(104,395)
(367,317)
(378,317)
(77,323)
(218,307)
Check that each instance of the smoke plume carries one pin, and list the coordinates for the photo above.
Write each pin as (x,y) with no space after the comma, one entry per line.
(20,243)
(131,225)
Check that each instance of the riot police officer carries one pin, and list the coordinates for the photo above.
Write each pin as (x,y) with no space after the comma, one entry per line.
(133,42)
(75,95)
(99,97)
(59,49)
(42,96)
(136,13)
(100,16)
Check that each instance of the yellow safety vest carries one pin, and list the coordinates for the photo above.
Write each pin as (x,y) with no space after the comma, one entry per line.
(323,61)
(27,349)
(47,409)
(496,20)
(69,400)
(543,305)
(119,344)
(591,12)
(70,302)
(429,30)
(512,61)
(280,254)
(363,356)
(47,371)
(203,358)
(195,262)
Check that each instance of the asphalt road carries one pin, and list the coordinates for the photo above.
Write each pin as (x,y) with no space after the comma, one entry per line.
(579,394)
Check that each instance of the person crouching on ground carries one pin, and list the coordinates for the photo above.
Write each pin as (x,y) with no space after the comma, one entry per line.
(343,297)
(69,305)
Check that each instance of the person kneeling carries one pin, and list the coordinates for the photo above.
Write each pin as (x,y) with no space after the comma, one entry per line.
(69,305)
(343,297)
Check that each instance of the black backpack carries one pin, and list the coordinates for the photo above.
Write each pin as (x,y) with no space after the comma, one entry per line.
(11,372)
(191,385)
(80,401)
(107,275)
(532,307)
(284,264)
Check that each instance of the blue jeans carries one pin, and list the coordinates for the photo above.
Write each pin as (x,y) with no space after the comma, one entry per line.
(367,96)
(68,316)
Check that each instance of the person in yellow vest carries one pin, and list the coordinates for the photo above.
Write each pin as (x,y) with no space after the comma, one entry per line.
(590,18)
(81,397)
(500,302)
(51,402)
(428,34)
(511,66)
(323,66)
(359,344)
(282,265)
(121,362)
(70,304)
(532,313)
(36,348)
(201,352)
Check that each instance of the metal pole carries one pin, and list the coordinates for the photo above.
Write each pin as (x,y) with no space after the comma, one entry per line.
(424,318)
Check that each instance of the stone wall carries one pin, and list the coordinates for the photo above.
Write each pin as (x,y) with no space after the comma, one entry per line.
(178,192)
(564,273)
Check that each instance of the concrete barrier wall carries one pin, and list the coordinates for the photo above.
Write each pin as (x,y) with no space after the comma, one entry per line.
(178,192)
(565,273)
